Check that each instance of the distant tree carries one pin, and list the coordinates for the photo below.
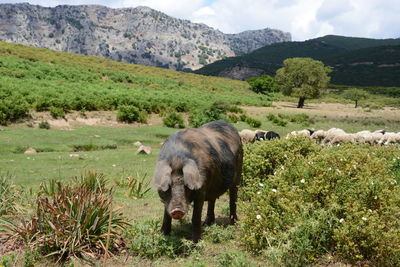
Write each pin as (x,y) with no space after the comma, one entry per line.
(263,84)
(355,95)
(302,78)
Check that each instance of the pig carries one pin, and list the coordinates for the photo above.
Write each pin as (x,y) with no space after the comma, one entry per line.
(197,165)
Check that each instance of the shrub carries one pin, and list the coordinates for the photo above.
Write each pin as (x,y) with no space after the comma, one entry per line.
(74,222)
(275,120)
(146,240)
(138,187)
(93,181)
(12,109)
(215,112)
(312,200)
(233,118)
(300,118)
(8,195)
(131,114)
(235,109)
(233,259)
(174,120)
(50,188)
(219,234)
(57,112)
(253,122)
(264,84)
(44,125)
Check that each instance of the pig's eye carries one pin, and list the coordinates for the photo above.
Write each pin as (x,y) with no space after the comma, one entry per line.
(164,194)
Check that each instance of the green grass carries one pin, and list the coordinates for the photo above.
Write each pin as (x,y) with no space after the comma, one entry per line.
(31,170)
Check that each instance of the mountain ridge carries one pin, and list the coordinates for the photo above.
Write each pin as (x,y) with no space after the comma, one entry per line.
(138,35)
(329,49)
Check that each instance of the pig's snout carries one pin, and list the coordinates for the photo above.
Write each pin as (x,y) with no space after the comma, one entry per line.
(177,214)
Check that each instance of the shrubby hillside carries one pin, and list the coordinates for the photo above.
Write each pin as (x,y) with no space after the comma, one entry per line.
(356,61)
(41,80)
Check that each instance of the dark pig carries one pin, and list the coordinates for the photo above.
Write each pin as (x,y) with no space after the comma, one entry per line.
(197,165)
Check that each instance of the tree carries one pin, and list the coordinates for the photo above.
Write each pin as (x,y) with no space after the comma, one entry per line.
(355,95)
(302,78)
(263,84)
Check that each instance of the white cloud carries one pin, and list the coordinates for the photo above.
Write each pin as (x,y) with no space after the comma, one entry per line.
(304,19)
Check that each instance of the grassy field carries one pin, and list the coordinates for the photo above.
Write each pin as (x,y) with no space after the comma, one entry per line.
(58,160)
(87,92)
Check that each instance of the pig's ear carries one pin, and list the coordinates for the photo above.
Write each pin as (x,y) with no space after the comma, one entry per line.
(191,175)
(162,176)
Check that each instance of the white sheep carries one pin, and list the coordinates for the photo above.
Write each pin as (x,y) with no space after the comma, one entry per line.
(247,136)
(343,138)
(392,139)
(330,134)
(386,137)
(305,132)
(373,138)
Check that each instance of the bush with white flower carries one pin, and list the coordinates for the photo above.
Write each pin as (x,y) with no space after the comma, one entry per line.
(347,203)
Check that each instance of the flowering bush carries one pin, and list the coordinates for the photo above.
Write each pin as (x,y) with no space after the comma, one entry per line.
(344,200)
(262,159)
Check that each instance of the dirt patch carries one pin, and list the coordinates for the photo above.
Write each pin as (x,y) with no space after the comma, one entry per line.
(330,110)
(10,245)
(93,118)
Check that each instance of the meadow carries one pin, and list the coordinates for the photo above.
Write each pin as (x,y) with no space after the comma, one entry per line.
(86,143)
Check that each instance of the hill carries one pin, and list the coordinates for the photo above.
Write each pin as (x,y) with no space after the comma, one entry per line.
(342,53)
(138,35)
(41,79)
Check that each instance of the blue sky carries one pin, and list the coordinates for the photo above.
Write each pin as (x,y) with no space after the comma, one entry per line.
(304,19)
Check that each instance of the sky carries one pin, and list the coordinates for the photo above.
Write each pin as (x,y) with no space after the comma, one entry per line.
(304,19)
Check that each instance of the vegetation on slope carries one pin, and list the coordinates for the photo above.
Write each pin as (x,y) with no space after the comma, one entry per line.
(337,51)
(40,79)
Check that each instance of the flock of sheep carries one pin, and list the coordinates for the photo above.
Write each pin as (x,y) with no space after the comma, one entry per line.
(331,137)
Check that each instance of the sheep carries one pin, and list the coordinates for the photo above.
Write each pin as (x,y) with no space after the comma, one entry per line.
(386,137)
(306,132)
(197,165)
(343,138)
(392,138)
(360,137)
(330,134)
(247,136)
(266,135)
(373,138)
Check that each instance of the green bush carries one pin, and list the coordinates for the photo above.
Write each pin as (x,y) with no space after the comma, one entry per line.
(306,201)
(275,120)
(263,85)
(131,114)
(146,240)
(8,195)
(219,234)
(174,120)
(233,259)
(215,112)
(12,108)
(44,125)
(233,118)
(77,221)
(56,112)
(253,122)
(300,118)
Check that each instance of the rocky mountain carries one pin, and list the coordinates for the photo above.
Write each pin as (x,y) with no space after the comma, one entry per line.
(135,35)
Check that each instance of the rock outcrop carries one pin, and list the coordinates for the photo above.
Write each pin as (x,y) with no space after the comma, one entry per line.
(135,35)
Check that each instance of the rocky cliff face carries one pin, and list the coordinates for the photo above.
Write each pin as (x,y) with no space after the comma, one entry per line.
(135,35)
